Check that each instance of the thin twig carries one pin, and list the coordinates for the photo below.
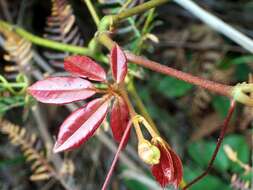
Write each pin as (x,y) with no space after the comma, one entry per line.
(42,63)
(92,11)
(138,9)
(220,139)
(121,145)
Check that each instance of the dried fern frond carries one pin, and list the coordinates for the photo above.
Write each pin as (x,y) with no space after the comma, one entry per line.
(19,53)
(201,101)
(207,60)
(67,168)
(207,64)
(40,167)
(61,26)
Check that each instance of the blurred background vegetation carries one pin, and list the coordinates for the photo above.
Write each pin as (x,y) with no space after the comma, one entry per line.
(188,117)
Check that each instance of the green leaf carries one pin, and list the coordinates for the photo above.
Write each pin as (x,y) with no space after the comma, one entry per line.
(134,185)
(242,72)
(131,183)
(7,103)
(242,59)
(154,110)
(206,149)
(238,143)
(225,63)
(195,149)
(222,163)
(207,183)
(20,159)
(221,105)
(247,176)
(171,87)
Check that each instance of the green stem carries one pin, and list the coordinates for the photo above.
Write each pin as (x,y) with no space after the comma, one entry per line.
(141,106)
(125,5)
(124,95)
(132,113)
(11,86)
(50,43)
(137,50)
(44,42)
(106,40)
(92,12)
(148,21)
(5,109)
(138,9)
(14,85)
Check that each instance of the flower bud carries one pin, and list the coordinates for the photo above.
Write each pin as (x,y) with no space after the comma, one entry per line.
(149,153)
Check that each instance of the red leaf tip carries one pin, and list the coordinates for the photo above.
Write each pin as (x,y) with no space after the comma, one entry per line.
(57,148)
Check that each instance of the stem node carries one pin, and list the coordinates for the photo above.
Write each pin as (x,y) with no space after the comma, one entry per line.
(242,93)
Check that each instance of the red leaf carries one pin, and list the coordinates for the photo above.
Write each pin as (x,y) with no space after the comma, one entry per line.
(61,90)
(118,64)
(164,170)
(81,125)
(177,167)
(169,171)
(85,67)
(119,119)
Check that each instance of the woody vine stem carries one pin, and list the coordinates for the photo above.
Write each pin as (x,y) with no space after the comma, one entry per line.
(105,25)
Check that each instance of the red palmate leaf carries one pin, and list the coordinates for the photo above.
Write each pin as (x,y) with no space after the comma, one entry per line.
(81,125)
(61,90)
(169,170)
(119,119)
(118,63)
(83,66)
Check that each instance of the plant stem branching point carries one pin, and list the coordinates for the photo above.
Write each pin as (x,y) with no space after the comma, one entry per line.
(242,93)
